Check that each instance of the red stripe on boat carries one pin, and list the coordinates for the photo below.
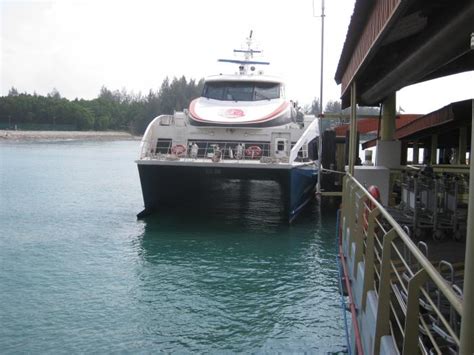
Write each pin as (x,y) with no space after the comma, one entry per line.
(193,113)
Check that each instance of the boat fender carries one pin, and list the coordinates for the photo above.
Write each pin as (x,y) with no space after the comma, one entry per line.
(253,151)
(178,150)
(375,193)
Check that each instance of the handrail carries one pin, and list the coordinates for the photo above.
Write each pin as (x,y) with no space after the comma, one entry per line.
(446,289)
(144,145)
(440,168)
(309,134)
(414,304)
(228,152)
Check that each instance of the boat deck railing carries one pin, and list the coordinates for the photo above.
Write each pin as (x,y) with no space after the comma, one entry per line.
(219,150)
(417,302)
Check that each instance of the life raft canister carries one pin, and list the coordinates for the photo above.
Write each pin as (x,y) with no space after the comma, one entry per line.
(178,150)
(253,151)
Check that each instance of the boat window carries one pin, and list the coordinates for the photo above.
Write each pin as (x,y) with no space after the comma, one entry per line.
(241,91)
(281,145)
(214,91)
(267,91)
(163,146)
(238,92)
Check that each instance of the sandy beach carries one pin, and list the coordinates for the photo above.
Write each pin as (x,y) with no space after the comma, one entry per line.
(65,135)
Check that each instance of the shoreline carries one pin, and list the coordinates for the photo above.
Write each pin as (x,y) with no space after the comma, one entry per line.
(20,136)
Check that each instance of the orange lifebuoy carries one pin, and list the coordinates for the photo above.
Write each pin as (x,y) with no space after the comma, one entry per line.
(375,193)
(253,151)
(178,150)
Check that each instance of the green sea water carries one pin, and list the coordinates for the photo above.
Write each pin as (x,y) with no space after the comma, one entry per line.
(79,273)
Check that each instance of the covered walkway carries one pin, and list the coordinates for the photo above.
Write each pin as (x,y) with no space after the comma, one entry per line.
(392,44)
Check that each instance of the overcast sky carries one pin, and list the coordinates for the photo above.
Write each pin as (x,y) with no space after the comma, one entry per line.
(78,46)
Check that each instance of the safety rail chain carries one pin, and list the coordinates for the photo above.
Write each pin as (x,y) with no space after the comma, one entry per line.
(419,308)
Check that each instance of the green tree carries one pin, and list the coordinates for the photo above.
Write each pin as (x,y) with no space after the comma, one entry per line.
(54,94)
(13,92)
(117,109)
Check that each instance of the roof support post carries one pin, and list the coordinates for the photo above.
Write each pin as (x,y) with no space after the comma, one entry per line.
(353,129)
(387,126)
(434,149)
(467,321)
(416,152)
(461,158)
(388,148)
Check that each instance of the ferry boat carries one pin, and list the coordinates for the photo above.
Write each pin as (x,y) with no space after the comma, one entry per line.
(241,128)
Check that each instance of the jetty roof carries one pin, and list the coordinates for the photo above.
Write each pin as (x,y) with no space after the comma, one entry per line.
(391,44)
(447,120)
(368,125)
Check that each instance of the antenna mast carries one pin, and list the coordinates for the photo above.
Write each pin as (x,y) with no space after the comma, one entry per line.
(248,57)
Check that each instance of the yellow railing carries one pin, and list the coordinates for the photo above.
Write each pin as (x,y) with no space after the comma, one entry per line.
(416,305)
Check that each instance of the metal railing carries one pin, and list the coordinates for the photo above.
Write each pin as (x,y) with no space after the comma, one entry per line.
(153,147)
(212,150)
(219,150)
(418,304)
(228,150)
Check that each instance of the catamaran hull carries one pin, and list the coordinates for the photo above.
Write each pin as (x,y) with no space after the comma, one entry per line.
(196,187)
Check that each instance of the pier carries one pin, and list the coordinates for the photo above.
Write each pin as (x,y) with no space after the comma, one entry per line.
(411,289)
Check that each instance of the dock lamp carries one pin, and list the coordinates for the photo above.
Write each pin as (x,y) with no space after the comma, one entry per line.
(472,40)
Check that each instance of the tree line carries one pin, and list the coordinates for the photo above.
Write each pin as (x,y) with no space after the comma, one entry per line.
(111,110)
(335,107)
(114,110)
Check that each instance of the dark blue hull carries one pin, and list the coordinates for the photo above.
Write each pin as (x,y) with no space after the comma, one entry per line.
(302,189)
(206,188)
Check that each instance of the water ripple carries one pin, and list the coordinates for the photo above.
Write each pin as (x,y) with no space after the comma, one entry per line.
(79,273)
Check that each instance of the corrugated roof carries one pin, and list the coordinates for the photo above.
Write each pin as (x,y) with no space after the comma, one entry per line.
(366,125)
(423,125)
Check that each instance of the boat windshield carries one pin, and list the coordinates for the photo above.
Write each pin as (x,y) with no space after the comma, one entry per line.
(241,90)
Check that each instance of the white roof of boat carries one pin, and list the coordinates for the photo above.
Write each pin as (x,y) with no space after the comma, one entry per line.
(245,77)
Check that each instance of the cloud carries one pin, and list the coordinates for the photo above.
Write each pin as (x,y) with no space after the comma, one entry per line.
(78,46)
